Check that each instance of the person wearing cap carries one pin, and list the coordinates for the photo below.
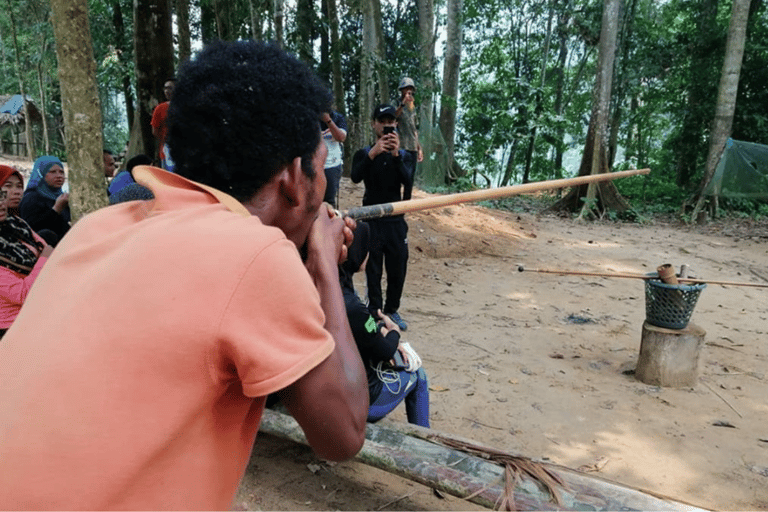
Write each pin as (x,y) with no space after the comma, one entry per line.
(406,126)
(136,375)
(380,167)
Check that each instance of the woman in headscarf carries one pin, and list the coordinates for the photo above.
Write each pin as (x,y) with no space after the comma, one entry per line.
(22,252)
(393,367)
(45,205)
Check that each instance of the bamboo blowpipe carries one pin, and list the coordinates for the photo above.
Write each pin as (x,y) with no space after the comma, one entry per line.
(682,280)
(377,211)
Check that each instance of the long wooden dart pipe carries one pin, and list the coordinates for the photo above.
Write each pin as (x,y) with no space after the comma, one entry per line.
(377,211)
(682,280)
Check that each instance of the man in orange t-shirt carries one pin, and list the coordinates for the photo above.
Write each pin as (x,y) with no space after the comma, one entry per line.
(175,317)
(160,125)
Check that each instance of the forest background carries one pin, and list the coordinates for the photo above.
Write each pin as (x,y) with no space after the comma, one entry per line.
(506,88)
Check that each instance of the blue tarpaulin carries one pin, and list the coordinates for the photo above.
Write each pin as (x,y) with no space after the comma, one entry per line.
(13,106)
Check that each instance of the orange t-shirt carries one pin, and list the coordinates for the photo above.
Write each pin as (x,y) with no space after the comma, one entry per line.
(159,117)
(128,379)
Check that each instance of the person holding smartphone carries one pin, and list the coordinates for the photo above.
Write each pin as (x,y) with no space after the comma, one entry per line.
(393,368)
(381,168)
(407,126)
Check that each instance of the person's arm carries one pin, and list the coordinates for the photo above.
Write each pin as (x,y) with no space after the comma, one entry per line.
(14,287)
(375,343)
(361,166)
(419,152)
(156,122)
(405,177)
(330,402)
(40,215)
(339,134)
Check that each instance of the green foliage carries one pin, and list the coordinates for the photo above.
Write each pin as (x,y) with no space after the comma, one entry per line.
(113,52)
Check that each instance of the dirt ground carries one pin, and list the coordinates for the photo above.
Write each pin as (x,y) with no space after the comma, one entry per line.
(541,365)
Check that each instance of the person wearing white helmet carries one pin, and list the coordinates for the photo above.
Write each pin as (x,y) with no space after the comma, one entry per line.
(409,133)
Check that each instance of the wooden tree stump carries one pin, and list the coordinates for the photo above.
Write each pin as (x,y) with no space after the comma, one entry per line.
(670,357)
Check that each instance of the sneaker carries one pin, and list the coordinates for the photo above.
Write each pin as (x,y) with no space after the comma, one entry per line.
(398,320)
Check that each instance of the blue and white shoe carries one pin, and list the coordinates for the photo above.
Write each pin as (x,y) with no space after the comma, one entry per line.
(398,320)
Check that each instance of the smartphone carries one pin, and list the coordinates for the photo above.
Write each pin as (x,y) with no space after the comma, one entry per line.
(388,129)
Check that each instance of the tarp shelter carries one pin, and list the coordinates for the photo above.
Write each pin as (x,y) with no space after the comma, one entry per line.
(742,172)
(13,139)
(12,110)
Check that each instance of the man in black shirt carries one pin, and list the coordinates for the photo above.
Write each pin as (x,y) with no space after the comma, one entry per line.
(380,167)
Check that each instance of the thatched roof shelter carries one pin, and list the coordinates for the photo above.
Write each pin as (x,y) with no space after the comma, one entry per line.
(12,110)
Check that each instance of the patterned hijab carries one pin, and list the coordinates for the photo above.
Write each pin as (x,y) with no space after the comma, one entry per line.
(37,178)
(16,237)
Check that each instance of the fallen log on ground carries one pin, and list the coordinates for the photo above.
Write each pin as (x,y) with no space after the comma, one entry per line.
(467,470)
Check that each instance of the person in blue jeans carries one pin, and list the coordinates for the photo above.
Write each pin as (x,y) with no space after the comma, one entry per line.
(378,344)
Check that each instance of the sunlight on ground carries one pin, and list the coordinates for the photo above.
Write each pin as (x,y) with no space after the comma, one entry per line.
(603,448)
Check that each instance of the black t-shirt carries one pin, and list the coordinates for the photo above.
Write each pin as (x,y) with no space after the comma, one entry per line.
(383,177)
(373,347)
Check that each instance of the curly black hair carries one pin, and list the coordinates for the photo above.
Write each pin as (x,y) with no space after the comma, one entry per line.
(240,112)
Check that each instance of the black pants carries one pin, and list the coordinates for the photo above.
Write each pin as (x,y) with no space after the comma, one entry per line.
(332,177)
(409,161)
(389,250)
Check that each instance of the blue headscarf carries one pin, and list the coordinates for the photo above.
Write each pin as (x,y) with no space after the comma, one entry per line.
(37,179)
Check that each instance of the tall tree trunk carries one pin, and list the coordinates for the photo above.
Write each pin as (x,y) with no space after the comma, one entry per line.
(31,152)
(153,50)
(690,143)
(602,99)
(562,57)
(2,55)
(323,27)
(43,103)
(80,105)
(367,55)
(119,23)
(337,78)
(305,13)
(451,68)
(381,53)
(595,158)
(277,14)
(182,25)
(539,100)
(726,95)
(255,11)
(225,25)
(426,84)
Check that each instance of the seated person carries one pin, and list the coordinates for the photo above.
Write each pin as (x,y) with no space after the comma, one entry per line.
(45,205)
(387,385)
(22,252)
(124,188)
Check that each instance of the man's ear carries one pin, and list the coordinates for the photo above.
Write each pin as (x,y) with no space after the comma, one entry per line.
(289,181)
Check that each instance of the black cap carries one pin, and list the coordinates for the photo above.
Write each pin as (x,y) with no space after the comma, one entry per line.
(384,110)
